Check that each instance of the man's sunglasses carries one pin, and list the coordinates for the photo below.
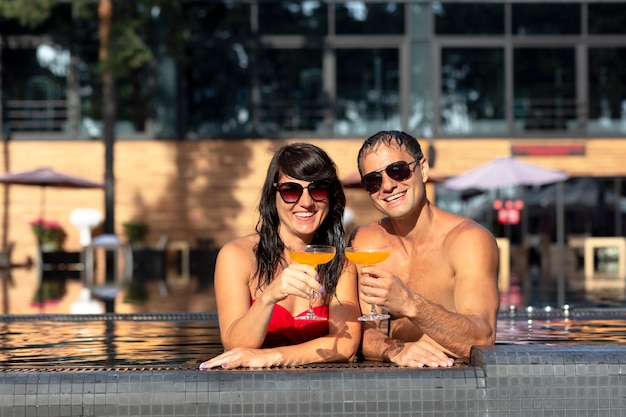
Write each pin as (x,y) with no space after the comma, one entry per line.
(290,192)
(398,171)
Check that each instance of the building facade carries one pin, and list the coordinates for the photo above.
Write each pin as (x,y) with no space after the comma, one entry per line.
(331,69)
(476,80)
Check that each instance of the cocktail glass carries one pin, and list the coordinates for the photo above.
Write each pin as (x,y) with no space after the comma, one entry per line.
(313,255)
(369,255)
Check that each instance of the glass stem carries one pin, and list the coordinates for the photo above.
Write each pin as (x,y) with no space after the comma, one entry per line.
(311,301)
(312,295)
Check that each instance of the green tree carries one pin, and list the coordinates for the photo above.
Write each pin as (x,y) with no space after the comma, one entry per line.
(125,28)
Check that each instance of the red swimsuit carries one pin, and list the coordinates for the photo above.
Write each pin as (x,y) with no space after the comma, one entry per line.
(283,330)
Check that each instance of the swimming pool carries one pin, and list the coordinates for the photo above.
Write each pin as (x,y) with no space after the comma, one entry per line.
(146,364)
(155,339)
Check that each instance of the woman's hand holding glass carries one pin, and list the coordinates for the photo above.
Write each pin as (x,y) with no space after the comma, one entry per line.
(312,255)
(296,280)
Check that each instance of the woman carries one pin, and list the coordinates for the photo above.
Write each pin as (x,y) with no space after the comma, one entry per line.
(259,289)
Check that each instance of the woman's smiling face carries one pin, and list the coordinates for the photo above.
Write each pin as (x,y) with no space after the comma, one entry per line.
(302,218)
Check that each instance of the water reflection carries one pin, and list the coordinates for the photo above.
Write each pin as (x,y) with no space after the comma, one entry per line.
(107,342)
(183,296)
(605,329)
(538,292)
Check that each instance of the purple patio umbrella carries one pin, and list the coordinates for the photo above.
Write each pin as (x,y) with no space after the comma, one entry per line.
(504,172)
(47,177)
(507,172)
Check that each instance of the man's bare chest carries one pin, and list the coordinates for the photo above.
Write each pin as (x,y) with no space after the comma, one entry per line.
(428,276)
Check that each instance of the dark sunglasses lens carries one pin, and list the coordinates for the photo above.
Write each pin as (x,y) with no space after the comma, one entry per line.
(319,191)
(399,171)
(290,192)
(372,182)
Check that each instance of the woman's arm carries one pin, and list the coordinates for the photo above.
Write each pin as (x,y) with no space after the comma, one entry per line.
(340,345)
(241,325)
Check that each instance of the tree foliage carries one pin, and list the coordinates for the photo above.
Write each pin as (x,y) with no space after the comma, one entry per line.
(134,23)
(27,13)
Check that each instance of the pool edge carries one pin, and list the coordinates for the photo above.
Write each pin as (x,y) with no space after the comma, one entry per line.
(500,380)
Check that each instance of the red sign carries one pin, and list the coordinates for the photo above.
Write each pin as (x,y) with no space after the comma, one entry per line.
(547,150)
(508,211)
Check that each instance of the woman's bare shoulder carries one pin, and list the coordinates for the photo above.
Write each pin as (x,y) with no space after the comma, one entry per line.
(242,247)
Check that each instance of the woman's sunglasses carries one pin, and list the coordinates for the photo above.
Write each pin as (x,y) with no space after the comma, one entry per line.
(290,192)
(398,171)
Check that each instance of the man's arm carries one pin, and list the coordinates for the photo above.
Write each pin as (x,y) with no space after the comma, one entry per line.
(473,256)
(468,318)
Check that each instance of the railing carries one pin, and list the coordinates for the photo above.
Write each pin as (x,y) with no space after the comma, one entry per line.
(292,116)
(36,115)
(533,114)
(530,115)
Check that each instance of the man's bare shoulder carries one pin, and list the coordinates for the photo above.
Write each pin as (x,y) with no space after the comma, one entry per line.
(458,225)
(468,235)
(365,233)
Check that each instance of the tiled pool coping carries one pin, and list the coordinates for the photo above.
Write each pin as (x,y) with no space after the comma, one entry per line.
(502,380)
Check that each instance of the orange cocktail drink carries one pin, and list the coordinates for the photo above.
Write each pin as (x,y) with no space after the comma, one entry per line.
(370,255)
(311,258)
(365,257)
(312,255)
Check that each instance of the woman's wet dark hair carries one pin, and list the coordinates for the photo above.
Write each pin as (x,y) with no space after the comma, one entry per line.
(386,137)
(305,162)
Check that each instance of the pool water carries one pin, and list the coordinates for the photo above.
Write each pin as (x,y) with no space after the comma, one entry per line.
(188,338)
(584,326)
(107,340)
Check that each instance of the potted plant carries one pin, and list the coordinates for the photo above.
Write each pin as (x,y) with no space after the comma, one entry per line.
(50,235)
(135,231)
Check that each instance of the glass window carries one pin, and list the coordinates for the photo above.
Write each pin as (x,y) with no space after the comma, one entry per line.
(34,88)
(216,19)
(468,18)
(358,17)
(367,91)
(544,89)
(472,90)
(421,115)
(607,18)
(546,19)
(218,91)
(607,90)
(306,17)
(292,93)
(34,72)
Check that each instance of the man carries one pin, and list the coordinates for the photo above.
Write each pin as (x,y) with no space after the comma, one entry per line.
(440,283)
